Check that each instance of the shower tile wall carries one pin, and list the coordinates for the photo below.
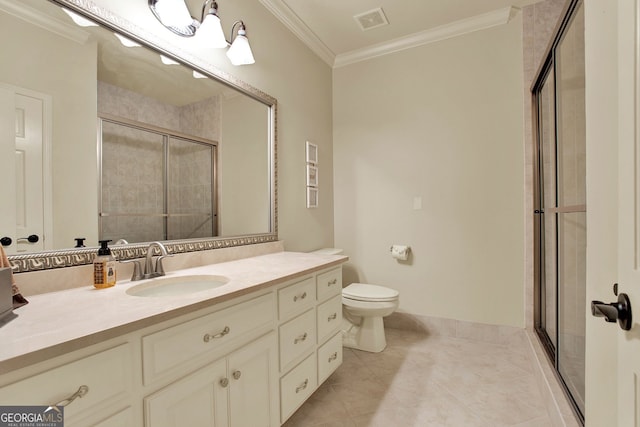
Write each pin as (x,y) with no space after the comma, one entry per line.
(130,168)
(190,189)
(132,183)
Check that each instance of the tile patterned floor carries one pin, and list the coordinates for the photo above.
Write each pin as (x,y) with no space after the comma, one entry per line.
(422,380)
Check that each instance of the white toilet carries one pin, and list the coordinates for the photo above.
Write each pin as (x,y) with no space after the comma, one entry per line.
(363,307)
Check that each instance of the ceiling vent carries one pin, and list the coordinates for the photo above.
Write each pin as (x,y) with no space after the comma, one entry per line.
(372,19)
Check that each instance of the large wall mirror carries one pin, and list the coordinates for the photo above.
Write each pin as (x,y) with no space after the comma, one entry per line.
(128,143)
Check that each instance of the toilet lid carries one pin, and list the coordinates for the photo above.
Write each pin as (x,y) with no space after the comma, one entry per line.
(365,292)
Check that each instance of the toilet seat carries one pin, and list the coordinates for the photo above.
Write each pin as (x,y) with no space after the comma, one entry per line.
(366,292)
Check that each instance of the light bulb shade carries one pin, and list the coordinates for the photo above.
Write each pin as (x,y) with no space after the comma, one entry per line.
(173,13)
(240,52)
(210,33)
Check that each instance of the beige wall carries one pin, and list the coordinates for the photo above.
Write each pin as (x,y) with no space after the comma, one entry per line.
(243,186)
(442,122)
(46,70)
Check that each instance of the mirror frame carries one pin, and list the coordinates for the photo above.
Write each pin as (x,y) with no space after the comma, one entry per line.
(75,257)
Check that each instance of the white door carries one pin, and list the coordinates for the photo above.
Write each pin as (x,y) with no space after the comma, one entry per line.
(613,197)
(22,144)
(629,209)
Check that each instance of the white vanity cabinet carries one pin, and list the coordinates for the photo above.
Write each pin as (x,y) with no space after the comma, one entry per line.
(95,390)
(236,391)
(248,360)
(310,313)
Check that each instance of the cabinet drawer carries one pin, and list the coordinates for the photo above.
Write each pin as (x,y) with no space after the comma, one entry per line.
(123,418)
(296,298)
(107,376)
(297,336)
(329,357)
(329,283)
(297,386)
(329,317)
(171,350)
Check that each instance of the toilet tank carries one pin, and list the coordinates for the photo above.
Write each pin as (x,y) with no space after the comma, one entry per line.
(328,251)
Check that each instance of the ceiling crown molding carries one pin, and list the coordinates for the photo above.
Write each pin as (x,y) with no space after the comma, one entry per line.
(464,26)
(36,17)
(290,20)
(453,29)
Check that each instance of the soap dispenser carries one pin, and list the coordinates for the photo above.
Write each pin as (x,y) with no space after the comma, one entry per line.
(104,267)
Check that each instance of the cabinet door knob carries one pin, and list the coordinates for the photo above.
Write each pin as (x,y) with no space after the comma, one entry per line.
(236,375)
(300,297)
(334,316)
(333,357)
(332,282)
(224,382)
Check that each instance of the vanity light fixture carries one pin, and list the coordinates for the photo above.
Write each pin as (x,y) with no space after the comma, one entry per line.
(207,31)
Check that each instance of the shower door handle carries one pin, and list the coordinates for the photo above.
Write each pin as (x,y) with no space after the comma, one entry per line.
(619,311)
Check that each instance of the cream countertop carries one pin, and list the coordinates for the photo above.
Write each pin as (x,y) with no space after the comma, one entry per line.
(59,322)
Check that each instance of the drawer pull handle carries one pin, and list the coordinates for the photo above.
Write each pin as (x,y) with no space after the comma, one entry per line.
(236,375)
(224,382)
(82,391)
(334,316)
(209,337)
(300,338)
(332,282)
(299,297)
(302,386)
(333,357)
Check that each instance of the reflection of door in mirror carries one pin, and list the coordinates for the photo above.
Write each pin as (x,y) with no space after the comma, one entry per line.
(155,185)
(24,178)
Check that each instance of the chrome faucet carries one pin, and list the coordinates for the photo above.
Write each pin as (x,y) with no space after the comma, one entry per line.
(149,271)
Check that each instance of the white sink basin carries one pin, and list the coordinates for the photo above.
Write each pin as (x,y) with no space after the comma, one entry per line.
(175,286)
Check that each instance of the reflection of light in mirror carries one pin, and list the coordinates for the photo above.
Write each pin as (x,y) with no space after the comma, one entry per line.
(79,20)
(126,42)
(197,75)
(173,13)
(168,61)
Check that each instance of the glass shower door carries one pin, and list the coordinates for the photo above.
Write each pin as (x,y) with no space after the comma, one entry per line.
(561,206)
(572,209)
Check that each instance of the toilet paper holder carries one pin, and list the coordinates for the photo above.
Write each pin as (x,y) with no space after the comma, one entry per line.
(400,252)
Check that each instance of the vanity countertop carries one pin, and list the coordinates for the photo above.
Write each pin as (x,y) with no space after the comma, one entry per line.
(59,322)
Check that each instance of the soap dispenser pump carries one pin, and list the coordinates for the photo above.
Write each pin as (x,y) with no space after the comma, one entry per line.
(104,267)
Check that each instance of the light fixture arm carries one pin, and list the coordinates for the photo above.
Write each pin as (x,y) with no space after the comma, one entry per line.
(213,6)
(233,28)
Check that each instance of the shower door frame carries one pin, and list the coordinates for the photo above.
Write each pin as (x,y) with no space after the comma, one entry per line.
(167,135)
(539,270)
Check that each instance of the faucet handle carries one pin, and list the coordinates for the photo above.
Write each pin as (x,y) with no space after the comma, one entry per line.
(159,268)
(137,269)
